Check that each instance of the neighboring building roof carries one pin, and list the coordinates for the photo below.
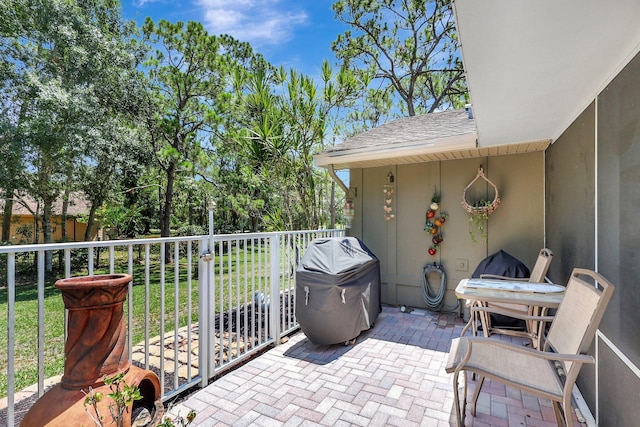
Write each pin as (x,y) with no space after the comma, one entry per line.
(78,205)
(444,135)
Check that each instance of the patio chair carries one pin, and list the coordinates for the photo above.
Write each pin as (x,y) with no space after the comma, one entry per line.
(548,373)
(538,273)
(482,315)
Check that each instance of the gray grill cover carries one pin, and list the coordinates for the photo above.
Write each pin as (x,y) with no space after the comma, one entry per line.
(337,290)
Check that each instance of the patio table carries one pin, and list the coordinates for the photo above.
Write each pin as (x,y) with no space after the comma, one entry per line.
(538,297)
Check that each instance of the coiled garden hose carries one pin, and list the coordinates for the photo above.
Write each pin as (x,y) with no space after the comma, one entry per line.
(435,300)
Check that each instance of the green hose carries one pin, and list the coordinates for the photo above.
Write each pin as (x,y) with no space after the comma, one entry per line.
(433,300)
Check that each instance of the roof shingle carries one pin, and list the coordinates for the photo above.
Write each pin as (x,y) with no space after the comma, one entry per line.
(408,131)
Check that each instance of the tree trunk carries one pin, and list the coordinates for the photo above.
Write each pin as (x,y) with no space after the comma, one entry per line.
(36,224)
(191,213)
(304,195)
(36,233)
(6,216)
(63,231)
(65,208)
(287,206)
(90,222)
(46,221)
(46,232)
(165,220)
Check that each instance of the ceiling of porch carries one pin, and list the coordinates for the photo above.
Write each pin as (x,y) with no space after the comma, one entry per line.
(533,66)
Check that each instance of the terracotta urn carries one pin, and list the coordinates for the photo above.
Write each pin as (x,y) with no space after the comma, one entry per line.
(96,347)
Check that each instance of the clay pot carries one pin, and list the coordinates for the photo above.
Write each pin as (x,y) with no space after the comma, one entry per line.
(95,348)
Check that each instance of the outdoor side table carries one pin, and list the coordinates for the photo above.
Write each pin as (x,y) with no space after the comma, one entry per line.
(539,297)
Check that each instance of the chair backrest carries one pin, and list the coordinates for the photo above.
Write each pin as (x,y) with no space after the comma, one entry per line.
(580,312)
(541,266)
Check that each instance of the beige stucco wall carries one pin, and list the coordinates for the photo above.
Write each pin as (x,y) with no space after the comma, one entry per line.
(75,229)
(401,244)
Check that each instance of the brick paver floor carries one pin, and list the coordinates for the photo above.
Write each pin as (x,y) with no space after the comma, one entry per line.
(393,375)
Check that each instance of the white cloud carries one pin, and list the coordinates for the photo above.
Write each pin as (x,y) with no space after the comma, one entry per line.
(140,3)
(259,22)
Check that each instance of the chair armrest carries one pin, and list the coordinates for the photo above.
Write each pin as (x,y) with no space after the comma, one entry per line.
(497,277)
(512,313)
(457,351)
(464,349)
(549,355)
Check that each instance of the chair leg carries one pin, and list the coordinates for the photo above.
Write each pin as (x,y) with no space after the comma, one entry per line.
(475,318)
(485,321)
(536,328)
(456,399)
(467,326)
(563,417)
(566,411)
(464,400)
(476,393)
(541,328)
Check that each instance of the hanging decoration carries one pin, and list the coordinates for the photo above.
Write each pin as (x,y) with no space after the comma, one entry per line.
(434,224)
(388,202)
(348,212)
(480,210)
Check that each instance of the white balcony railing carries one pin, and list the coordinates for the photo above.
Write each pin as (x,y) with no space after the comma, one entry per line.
(196,306)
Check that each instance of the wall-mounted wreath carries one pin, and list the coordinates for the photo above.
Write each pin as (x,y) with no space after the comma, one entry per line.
(434,223)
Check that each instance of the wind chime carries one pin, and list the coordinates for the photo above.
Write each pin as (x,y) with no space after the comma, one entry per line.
(388,202)
(348,212)
(388,197)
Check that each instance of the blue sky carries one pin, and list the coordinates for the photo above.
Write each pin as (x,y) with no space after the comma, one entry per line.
(292,33)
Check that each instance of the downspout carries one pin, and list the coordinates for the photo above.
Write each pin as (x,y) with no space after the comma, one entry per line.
(337,179)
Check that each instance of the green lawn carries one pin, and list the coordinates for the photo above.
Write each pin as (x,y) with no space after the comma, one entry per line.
(26,307)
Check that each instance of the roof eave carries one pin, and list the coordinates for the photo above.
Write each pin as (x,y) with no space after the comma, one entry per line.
(427,154)
(392,153)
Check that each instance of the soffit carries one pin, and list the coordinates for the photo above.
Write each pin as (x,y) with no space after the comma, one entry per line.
(379,158)
(533,66)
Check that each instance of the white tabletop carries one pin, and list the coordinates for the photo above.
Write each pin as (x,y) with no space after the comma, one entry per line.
(535,294)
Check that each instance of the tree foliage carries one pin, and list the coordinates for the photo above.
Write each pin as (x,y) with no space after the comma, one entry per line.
(403,53)
(68,75)
(152,124)
(188,93)
(283,124)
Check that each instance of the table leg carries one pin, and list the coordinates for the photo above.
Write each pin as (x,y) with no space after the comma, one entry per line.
(485,319)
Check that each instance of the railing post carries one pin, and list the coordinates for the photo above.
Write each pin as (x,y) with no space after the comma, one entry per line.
(11,336)
(41,277)
(206,361)
(274,315)
(203,308)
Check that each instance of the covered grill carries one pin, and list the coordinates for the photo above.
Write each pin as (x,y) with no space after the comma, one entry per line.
(337,290)
(503,264)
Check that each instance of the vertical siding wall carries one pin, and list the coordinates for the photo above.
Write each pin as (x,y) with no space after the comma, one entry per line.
(618,249)
(401,244)
(593,202)
(570,215)
(570,193)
